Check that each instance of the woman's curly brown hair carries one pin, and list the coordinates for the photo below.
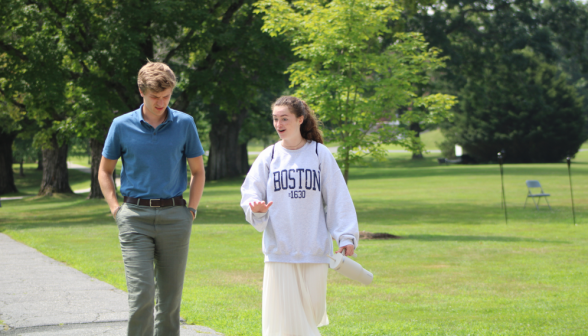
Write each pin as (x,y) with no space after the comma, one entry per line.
(309,127)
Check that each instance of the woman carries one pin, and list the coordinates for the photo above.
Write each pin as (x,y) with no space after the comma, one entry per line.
(296,194)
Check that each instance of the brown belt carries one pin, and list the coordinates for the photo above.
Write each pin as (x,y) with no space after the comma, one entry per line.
(156,203)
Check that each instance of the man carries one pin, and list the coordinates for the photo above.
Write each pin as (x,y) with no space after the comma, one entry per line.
(154,222)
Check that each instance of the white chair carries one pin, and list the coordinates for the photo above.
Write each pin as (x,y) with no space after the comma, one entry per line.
(534,184)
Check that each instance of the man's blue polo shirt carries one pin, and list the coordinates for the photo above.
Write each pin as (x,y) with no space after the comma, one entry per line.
(154,160)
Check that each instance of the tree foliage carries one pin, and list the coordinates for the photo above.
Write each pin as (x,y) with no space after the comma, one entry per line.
(232,82)
(76,63)
(35,76)
(505,66)
(351,77)
(524,108)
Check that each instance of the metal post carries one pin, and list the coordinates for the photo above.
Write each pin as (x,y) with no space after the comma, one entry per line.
(500,161)
(571,190)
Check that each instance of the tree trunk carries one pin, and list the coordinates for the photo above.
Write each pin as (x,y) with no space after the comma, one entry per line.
(95,156)
(244,157)
(21,168)
(346,166)
(226,157)
(40,161)
(55,174)
(6,173)
(415,126)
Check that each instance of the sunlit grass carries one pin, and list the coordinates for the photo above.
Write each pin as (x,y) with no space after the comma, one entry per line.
(80,160)
(458,269)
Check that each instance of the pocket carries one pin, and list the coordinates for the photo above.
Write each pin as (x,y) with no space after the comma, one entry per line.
(120,209)
(189,213)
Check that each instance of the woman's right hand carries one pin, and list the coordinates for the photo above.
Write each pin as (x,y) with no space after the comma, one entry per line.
(260,206)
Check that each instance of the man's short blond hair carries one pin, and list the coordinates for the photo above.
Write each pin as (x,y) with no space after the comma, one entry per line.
(156,76)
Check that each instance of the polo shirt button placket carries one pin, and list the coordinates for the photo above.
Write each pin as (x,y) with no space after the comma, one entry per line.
(153,136)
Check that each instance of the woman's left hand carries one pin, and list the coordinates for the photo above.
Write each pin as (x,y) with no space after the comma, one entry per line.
(348,250)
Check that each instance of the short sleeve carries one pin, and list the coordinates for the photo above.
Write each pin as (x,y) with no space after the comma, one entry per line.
(193,144)
(112,150)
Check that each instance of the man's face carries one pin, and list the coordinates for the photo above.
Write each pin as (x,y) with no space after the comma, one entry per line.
(155,103)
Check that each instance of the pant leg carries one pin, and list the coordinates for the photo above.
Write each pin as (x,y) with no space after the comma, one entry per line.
(136,232)
(174,225)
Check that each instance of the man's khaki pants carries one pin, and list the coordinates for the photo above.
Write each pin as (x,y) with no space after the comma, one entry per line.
(154,243)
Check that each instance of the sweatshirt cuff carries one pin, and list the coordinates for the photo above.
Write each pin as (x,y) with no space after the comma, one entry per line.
(259,214)
(345,242)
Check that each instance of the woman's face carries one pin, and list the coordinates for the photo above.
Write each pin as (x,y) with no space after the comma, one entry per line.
(286,123)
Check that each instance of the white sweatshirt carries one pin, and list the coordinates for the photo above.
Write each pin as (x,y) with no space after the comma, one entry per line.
(311,204)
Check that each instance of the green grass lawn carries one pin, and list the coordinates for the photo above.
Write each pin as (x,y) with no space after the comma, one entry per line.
(431,139)
(81,160)
(458,269)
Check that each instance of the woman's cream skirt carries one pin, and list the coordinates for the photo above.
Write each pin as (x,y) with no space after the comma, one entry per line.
(294,299)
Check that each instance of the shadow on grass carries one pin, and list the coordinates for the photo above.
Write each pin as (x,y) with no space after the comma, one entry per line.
(45,224)
(527,171)
(444,238)
(90,220)
(221,216)
(399,161)
(227,182)
(461,213)
(76,210)
(429,167)
(219,193)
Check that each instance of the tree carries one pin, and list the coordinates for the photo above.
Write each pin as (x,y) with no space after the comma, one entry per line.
(523,107)
(352,79)
(501,53)
(6,174)
(9,114)
(223,61)
(234,82)
(105,43)
(31,70)
(409,9)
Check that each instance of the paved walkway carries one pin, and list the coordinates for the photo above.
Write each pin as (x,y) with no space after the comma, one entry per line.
(43,297)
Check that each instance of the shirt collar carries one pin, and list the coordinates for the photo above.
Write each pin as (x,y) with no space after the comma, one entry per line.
(168,119)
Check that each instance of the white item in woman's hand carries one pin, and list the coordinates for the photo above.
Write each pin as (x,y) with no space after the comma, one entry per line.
(350,269)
